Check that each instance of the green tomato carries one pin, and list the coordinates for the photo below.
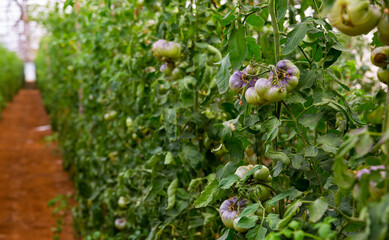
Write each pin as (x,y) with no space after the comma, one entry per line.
(262,174)
(383,28)
(380,56)
(375,117)
(122,202)
(276,93)
(239,229)
(264,192)
(383,75)
(269,178)
(273,209)
(253,98)
(354,17)
(251,70)
(110,115)
(298,235)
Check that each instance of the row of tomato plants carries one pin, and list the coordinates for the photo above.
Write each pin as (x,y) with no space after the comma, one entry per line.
(11,75)
(208,119)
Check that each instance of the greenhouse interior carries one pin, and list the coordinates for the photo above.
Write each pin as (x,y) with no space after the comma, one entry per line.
(194,119)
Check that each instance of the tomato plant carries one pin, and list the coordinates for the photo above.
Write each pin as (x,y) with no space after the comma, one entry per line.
(171,112)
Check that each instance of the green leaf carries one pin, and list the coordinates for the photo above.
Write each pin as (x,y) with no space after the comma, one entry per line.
(330,142)
(227,182)
(191,155)
(317,209)
(278,169)
(235,148)
(290,212)
(223,75)
(249,173)
(169,159)
(171,194)
(237,46)
(253,49)
(228,234)
(256,233)
(277,156)
(247,221)
(295,37)
(289,193)
(281,6)
(255,20)
(270,129)
(311,120)
(297,160)
(250,209)
(337,80)
(311,151)
(211,193)
(342,177)
(225,170)
(307,79)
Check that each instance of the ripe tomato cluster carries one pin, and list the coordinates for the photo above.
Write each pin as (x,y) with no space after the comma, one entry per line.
(262,91)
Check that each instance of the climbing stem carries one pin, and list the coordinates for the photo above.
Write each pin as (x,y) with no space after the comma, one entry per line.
(276,33)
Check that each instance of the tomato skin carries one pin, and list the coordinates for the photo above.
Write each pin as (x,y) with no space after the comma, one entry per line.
(230,209)
(120,223)
(354,17)
(262,174)
(288,74)
(276,93)
(122,202)
(239,229)
(163,48)
(251,70)
(241,171)
(236,81)
(383,75)
(262,86)
(383,28)
(264,192)
(253,98)
(110,115)
(380,56)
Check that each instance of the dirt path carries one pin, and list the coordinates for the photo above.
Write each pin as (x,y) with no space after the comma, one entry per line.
(31,172)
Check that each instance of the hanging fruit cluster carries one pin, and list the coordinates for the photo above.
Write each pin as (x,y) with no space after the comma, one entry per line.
(168,52)
(283,78)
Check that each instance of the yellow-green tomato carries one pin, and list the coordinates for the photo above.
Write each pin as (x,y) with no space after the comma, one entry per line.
(239,229)
(383,28)
(380,56)
(354,17)
(269,178)
(122,202)
(383,75)
(110,115)
(262,174)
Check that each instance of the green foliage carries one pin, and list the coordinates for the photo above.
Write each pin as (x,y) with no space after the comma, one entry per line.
(11,75)
(173,144)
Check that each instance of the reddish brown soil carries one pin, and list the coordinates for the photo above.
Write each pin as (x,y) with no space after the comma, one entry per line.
(31,172)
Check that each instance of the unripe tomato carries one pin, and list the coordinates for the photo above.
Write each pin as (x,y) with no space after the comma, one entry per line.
(383,75)
(262,86)
(110,115)
(269,178)
(383,28)
(253,98)
(354,17)
(120,223)
(129,123)
(375,117)
(264,192)
(380,56)
(163,48)
(122,202)
(276,93)
(251,70)
(273,209)
(262,174)
(239,229)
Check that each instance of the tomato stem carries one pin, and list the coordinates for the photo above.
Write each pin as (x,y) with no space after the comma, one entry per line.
(276,33)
